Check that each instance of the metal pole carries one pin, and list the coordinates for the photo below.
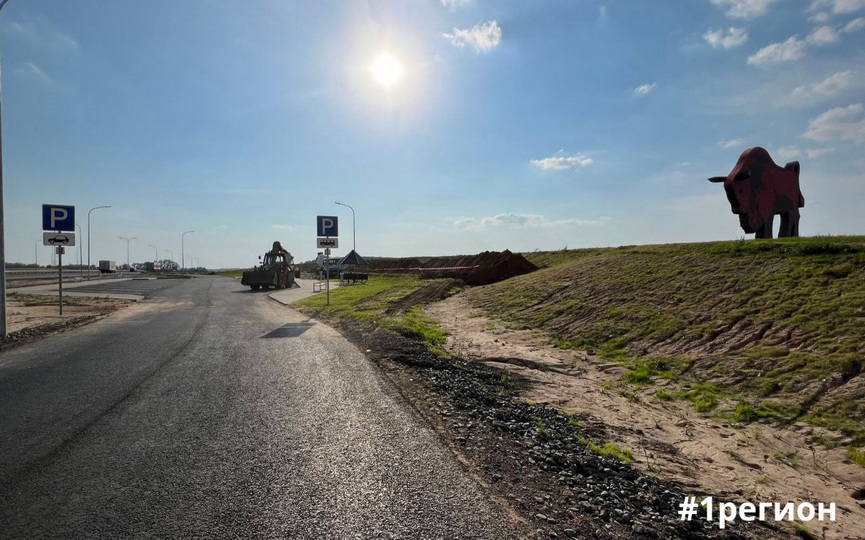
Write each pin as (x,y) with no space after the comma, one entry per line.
(88,238)
(182,252)
(128,266)
(36,253)
(353,235)
(3,328)
(327,272)
(155,249)
(60,274)
(80,241)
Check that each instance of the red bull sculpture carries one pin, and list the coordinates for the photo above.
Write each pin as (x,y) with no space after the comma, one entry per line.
(758,189)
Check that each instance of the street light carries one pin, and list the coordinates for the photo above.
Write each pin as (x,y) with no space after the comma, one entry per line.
(2,237)
(88,237)
(80,240)
(182,260)
(353,237)
(156,250)
(128,266)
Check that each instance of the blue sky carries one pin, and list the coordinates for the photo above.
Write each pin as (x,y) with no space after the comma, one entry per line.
(512,125)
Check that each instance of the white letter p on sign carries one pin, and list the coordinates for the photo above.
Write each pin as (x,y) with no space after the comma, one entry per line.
(58,214)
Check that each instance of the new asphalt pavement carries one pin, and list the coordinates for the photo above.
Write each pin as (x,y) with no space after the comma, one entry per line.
(208,410)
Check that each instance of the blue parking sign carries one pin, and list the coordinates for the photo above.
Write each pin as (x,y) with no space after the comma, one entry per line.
(327,226)
(58,217)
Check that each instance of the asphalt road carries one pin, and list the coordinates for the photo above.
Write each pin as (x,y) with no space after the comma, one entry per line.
(212,411)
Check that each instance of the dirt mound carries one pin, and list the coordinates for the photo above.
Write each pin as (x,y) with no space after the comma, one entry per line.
(482,269)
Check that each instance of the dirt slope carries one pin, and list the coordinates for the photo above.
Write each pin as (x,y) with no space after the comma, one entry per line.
(735,367)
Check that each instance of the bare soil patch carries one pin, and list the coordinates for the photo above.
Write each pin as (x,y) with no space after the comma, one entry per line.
(30,317)
(757,462)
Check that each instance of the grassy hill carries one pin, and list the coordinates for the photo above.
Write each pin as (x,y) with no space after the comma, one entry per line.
(745,329)
(775,326)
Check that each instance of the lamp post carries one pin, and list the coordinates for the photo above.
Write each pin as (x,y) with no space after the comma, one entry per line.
(353,237)
(156,250)
(128,266)
(80,241)
(2,236)
(88,237)
(182,260)
(36,253)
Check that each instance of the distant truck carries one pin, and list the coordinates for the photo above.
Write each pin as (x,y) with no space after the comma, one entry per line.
(107,267)
(152,266)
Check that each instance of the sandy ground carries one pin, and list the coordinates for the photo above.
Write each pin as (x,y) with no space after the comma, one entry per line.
(25,320)
(755,462)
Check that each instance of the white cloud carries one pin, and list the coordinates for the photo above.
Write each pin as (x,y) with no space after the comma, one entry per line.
(721,39)
(449,3)
(794,48)
(838,7)
(31,70)
(787,51)
(814,153)
(854,25)
(844,123)
(828,87)
(744,9)
(644,89)
(484,37)
(221,228)
(289,228)
(823,35)
(731,143)
(559,163)
(788,152)
(511,220)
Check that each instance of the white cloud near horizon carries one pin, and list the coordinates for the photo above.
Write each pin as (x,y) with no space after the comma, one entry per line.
(840,123)
(744,9)
(512,220)
(561,163)
(726,39)
(644,89)
(484,37)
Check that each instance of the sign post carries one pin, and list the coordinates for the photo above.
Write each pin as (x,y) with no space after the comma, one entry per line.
(328,229)
(59,218)
(60,251)
(327,272)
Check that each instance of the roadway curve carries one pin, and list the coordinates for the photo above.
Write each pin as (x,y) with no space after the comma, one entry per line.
(212,411)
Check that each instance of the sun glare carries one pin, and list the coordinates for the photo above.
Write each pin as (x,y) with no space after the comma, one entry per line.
(386,70)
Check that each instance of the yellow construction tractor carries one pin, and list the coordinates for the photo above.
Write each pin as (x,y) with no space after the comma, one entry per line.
(276,270)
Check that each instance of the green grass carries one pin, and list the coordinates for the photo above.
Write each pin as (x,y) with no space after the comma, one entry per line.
(373,301)
(612,450)
(857,456)
(237,274)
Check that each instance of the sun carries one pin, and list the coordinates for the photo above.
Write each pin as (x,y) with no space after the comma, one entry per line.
(386,70)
